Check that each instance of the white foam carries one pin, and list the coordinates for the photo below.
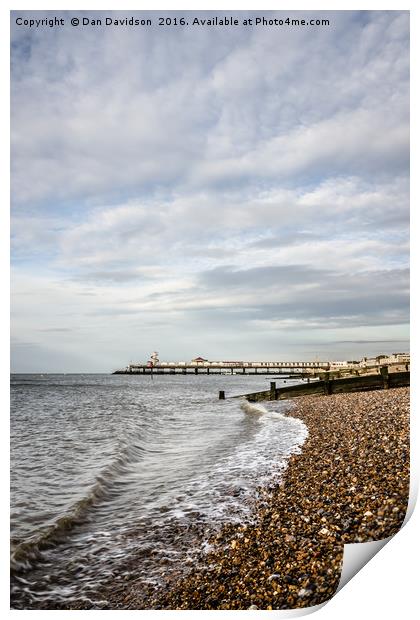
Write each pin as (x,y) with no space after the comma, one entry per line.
(253,408)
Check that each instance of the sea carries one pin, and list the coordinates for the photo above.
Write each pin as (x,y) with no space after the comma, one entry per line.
(122,477)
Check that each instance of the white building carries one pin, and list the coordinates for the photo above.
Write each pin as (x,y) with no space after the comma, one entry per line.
(346,364)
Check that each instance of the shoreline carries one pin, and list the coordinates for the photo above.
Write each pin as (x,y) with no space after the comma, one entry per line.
(349,483)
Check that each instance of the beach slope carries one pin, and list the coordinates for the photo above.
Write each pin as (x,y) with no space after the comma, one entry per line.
(350,483)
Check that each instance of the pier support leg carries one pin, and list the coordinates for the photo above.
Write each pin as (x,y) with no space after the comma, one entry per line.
(221,395)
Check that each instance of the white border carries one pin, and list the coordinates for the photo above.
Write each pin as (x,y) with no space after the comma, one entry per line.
(387,586)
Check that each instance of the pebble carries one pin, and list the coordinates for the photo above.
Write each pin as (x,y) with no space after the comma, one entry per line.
(343,487)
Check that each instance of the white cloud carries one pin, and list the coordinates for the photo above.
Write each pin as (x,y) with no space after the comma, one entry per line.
(112,112)
(346,220)
(142,164)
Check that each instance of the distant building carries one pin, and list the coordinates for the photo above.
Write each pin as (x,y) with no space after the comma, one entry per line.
(368,361)
(399,358)
(337,365)
(380,360)
(345,364)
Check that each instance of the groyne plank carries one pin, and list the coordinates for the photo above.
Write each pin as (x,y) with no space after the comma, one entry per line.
(333,386)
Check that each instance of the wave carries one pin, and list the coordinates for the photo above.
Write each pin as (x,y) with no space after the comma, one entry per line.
(24,554)
(253,408)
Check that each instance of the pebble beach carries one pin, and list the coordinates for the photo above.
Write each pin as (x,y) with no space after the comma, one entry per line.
(349,483)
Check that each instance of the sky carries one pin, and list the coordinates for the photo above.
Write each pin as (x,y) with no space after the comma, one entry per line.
(230,192)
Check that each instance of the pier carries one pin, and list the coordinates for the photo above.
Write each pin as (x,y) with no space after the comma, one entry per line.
(289,369)
(345,371)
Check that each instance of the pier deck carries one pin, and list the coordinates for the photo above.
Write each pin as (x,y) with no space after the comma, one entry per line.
(297,369)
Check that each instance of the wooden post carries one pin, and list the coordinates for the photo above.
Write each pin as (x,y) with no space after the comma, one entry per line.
(272,390)
(208,370)
(385,376)
(327,383)
(221,395)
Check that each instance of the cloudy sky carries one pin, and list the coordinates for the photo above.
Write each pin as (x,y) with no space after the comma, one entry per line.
(230,192)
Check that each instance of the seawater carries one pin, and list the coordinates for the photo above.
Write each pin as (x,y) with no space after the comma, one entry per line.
(111,468)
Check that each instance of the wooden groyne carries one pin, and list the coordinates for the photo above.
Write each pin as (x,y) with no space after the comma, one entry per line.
(384,380)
